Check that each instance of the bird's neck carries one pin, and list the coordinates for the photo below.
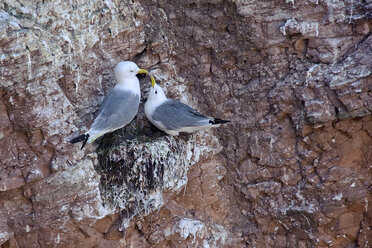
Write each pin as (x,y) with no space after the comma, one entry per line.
(150,106)
(129,84)
(157,102)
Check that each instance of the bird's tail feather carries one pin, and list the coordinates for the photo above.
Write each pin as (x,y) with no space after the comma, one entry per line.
(216,121)
(83,137)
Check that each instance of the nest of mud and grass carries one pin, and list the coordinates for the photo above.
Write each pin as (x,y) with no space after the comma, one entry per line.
(136,163)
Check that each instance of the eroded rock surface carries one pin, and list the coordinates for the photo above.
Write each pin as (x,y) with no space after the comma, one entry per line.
(292,169)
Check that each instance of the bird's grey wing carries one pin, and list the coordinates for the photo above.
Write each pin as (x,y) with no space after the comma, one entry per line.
(118,109)
(175,115)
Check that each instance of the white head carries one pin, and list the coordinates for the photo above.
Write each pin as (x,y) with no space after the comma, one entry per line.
(156,92)
(127,69)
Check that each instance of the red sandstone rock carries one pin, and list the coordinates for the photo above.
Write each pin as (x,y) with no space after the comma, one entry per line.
(293,166)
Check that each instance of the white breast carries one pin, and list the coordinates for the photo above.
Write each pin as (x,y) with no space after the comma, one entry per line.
(150,107)
(130,84)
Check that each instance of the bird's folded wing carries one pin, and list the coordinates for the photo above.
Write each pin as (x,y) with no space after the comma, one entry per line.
(174,115)
(118,109)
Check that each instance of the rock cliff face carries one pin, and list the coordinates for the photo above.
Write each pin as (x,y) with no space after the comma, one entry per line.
(292,169)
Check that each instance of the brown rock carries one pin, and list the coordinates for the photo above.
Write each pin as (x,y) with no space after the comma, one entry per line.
(11,183)
(104,224)
(156,237)
(291,169)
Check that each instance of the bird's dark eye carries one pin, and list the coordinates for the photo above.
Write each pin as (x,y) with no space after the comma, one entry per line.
(156,92)
(131,71)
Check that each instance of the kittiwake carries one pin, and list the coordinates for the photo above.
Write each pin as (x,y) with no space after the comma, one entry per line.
(120,105)
(172,116)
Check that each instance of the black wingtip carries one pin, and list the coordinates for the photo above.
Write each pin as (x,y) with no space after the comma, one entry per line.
(83,137)
(218,121)
(85,141)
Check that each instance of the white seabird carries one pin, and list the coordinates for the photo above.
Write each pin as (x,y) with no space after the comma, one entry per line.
(172,116)
(120,105)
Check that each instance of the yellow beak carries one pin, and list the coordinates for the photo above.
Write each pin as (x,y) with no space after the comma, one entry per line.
(153,82)
(142,71)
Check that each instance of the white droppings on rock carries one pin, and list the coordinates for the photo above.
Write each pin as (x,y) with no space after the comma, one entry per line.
(313,68)
(65,36)
(58,238)
(4,236)
(29,65)
(188,227)
(205,244)
(35,171)
(290,1)
(77,81)
(338,197)
(64,208)
(366,205)
(289,23)
(305,206)
(305,28)
(299,196)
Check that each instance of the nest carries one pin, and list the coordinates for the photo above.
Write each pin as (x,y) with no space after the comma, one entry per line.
(136,164)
